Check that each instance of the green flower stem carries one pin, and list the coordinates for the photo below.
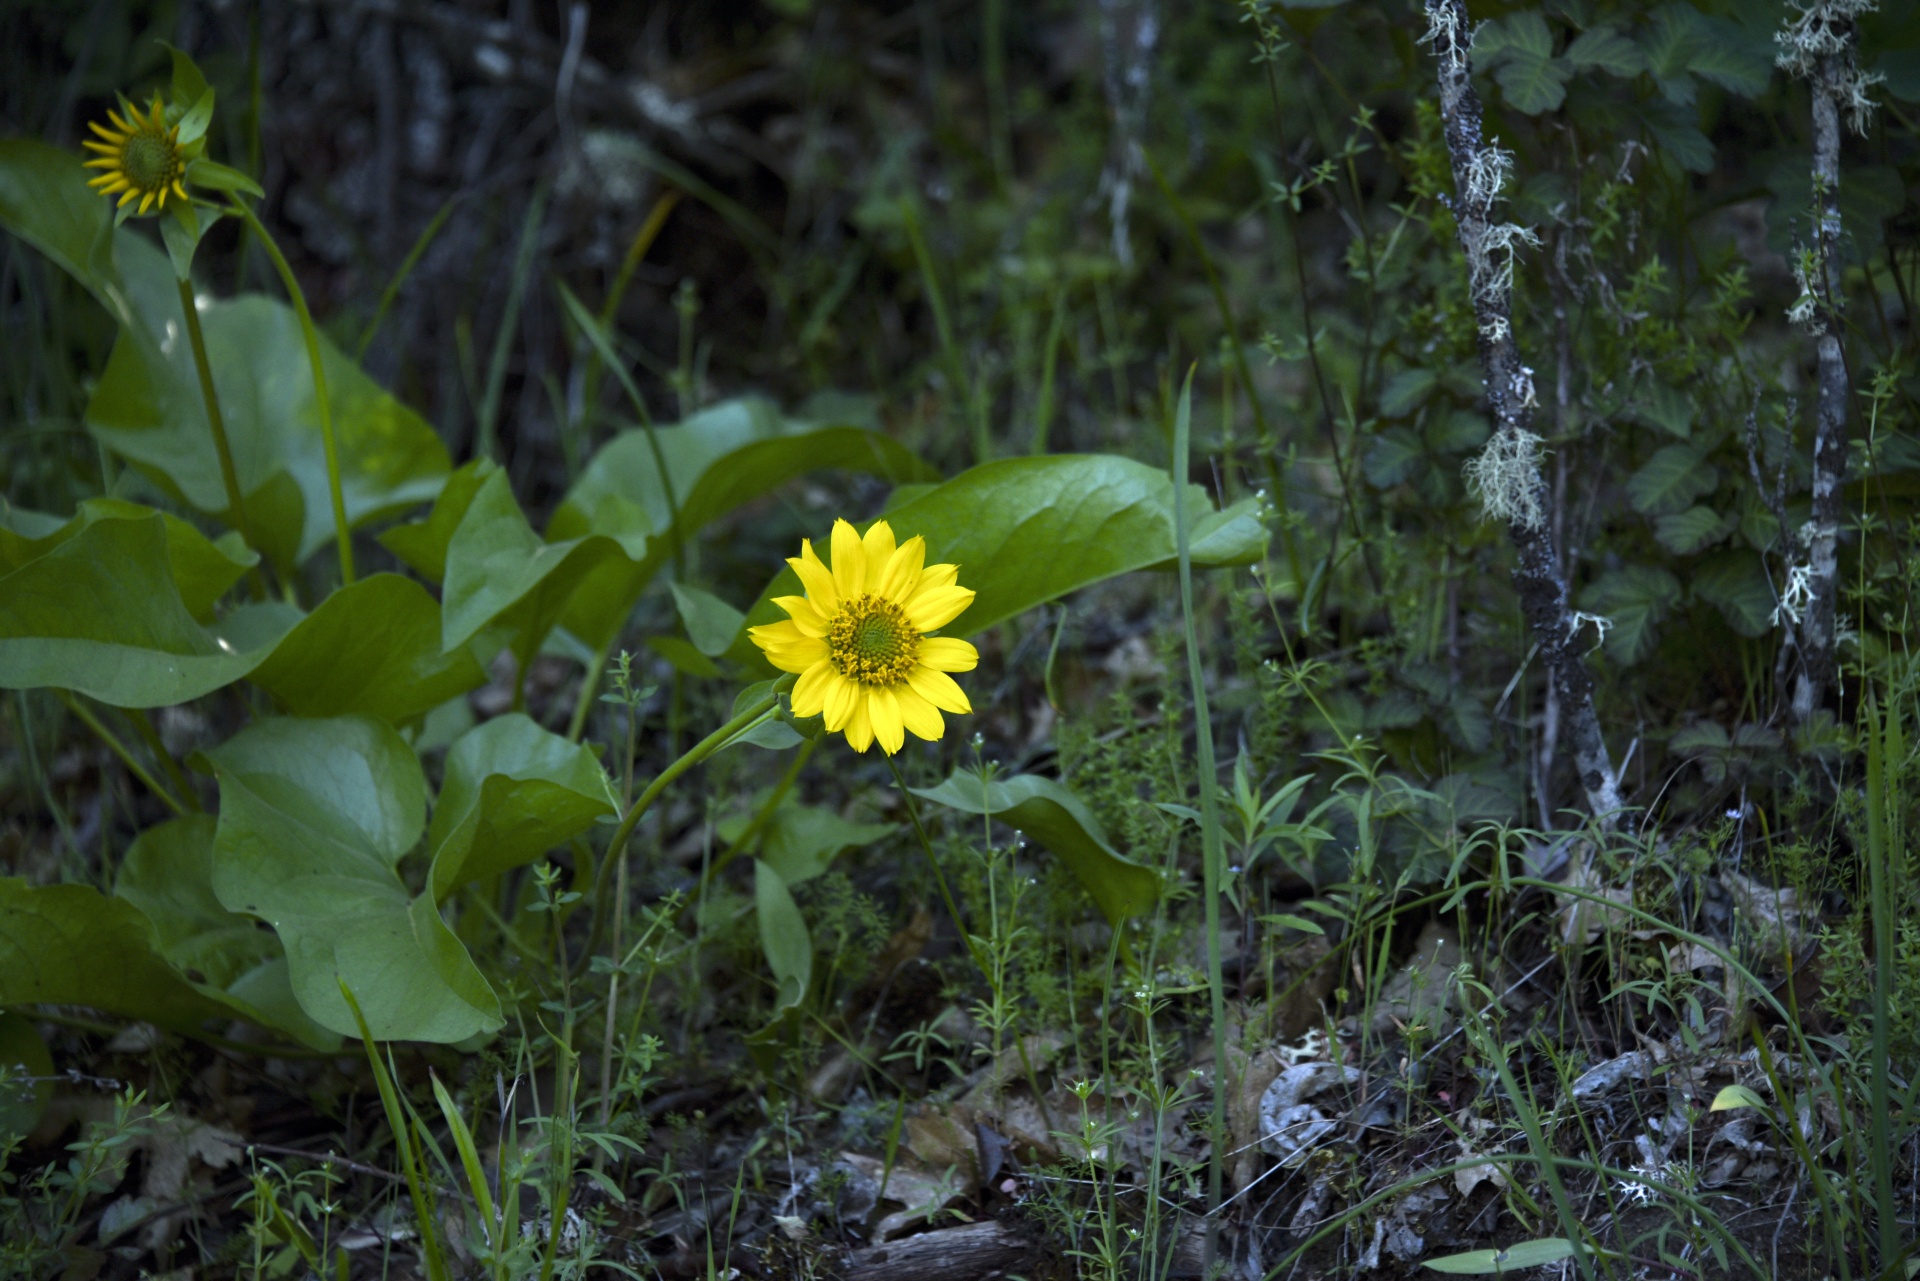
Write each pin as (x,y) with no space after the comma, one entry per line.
(343,538)
(127,758)
(217,424)
(589,688)
(751,836)
(753,714)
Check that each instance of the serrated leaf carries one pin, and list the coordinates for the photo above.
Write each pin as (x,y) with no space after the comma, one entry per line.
(1676,131)
(1669,39)
(314,817)
(1726,54)
(1392,456)
(1527,33)
(1671,480)
(1406,391)
(371,648)
(1053,816)
(1704,736)
(1684,533)
(1668,408)
(1606,49)
(1533,84)
(1735,582)
(1634,599)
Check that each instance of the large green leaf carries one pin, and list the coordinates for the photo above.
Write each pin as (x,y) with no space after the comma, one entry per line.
(148,405)
(783,937)
(513,791)
(1735,581)
(1671,480)
(799,841)
(314,816)
(72,945)
(1028,530)
(372,648)
(45,200)
(503,578)
(201,569)
(97,607)
(1515,1258)
(716,461)
(1056,818)
(168,875)
(1633,599)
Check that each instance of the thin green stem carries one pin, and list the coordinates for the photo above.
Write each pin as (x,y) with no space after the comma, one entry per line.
(751,835)
(343,537)
(589,687)
(1212,854)
(754,712)
(407,264)
(217,425)
(119,749)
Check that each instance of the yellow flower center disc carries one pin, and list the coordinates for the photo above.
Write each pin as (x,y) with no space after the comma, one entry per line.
(150,160)
(871,641)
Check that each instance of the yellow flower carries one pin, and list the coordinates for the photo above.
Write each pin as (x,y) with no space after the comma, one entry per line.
(860,638)
(142,155)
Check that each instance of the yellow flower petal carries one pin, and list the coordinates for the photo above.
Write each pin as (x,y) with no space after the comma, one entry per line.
(888,727)
(920,716)
(849,561)
(932,610)
(944,654)
(120,124)
(105,132)
(803,615)
(878,547)
(939,689)
(815,578)
(937,576)
(810,691)
(843,696)
(902,578)
(860,727)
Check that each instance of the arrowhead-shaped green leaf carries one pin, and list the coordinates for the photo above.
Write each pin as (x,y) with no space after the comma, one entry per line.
(314,815)
(1029,530)
(99,606)
(513,791)
(800,841)
(1052,815)
(371,648)
(717,460)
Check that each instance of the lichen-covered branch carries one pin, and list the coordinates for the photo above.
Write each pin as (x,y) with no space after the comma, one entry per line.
(1507,475)
(1818,44)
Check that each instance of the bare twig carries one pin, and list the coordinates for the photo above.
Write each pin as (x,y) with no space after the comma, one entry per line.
(1507,476)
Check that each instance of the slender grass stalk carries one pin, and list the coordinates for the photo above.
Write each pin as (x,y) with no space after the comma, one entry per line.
(217,425)
(1269,445)
(485,444)
(407,264)
(560,1142)
(1885,743)
(1212,852)
(402,1134)
(343,536)
(939,875)
(127,758)
(642,241)
(1043,403)
(963,387)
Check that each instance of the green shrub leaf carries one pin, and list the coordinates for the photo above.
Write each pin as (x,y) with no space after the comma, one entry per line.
(1671,480)
(1634,599)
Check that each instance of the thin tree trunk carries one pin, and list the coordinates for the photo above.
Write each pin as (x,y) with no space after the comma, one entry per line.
(1830,405)
(1508,473)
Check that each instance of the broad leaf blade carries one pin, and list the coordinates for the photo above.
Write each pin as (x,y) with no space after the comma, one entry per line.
(314,815)
(1056,818)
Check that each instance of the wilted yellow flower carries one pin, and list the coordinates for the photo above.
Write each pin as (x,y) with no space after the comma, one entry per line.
(860,638)
(143,157)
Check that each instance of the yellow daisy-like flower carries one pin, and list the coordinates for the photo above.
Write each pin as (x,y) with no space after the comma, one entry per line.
(142,156)
(861,642)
